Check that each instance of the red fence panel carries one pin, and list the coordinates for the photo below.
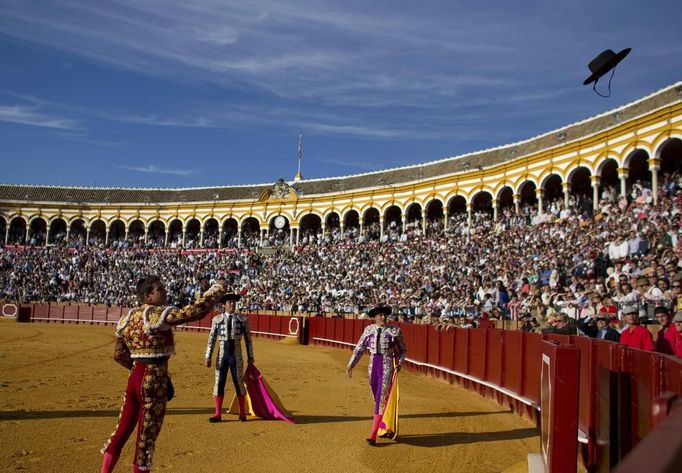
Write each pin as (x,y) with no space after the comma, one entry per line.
(329,329)
(420,342)
(358,328)
(672,374)
(433,347)
(531,366)
(41,312)
(461,360)
(55,313)
(512,362)
(71,313)
(477,352)
(447,348)
(644,386)
(493,357)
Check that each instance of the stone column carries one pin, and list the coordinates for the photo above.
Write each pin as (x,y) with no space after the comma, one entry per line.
(166,232)
(362,228)
(470,208)
(403,218)
(623,176)
(495,209)
(445,218)
(106,235)
(654,167)
(517,203)
(381,227)
(239,236)
(538,194)
(595,191)
(567,187)
(47,234)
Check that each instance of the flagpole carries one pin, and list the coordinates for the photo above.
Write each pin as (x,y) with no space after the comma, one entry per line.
(299,176)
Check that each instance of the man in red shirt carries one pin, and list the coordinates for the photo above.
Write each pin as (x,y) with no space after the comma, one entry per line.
(668,337)
(677,322)
(634,335)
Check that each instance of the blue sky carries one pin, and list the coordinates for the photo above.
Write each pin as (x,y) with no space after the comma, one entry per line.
(166,93)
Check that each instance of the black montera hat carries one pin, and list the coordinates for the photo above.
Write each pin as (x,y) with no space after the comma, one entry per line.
(230,297)
(381,309)
(604,62)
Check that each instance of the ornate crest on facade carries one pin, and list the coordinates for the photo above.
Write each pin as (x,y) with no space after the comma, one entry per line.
(279,191)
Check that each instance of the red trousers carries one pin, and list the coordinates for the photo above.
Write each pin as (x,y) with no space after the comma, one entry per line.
(144,406)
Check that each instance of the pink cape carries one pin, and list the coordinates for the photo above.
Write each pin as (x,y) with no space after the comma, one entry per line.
(262,401)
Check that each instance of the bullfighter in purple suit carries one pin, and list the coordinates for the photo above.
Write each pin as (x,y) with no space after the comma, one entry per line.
(387,353)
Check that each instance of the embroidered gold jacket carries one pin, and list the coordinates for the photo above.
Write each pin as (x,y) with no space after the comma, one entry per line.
(146,331)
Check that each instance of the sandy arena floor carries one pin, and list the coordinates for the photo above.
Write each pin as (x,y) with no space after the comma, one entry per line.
(60,392)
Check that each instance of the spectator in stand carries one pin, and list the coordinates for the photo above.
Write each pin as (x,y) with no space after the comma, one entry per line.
(561,324)
(668,337)
(598,327)
(677,321)
(634,335)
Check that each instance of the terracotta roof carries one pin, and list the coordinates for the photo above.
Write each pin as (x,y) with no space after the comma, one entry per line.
(485,158)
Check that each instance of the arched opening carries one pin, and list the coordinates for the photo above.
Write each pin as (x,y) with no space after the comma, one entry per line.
(37,232)
(528,195)
(609,183)
(77,233)
(250,232)
(156,235)
(414,221)
(639,177)
(311,229)
(371,228)
(117,233)
(434,218)
(393,223)
(17,231)
(193,229)
(136,234)
(210,233)
(230,233)
(351,224)
(482,207)
(57,232)
(553,195)
(457,211)
(175,234)
(98,233)
(279,231)
(332,226)
(505,203)
(3,230)
(580,197)
(670,156)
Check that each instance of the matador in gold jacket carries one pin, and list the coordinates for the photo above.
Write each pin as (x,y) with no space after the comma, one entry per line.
(144,343)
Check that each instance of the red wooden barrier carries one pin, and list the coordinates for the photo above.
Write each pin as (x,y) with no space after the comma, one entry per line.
(560,383)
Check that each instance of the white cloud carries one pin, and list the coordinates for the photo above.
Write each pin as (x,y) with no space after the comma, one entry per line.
(153,169)
(31,116)
(155,120)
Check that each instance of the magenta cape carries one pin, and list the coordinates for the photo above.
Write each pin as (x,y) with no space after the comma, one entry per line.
(261,400)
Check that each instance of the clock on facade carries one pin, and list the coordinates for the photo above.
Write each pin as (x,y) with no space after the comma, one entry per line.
(280,222)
